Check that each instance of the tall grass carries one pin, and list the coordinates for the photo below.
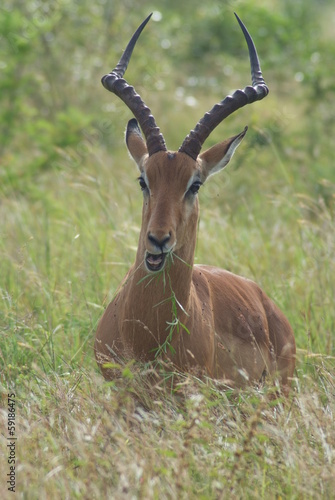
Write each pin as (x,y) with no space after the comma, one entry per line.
(80,437)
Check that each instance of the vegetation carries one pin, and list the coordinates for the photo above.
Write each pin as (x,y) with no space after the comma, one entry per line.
(70,214)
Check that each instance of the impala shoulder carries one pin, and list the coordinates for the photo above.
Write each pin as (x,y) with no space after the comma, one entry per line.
(216,273)
(225,283)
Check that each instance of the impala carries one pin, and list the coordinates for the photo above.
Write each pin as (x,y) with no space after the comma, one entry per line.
(199,317)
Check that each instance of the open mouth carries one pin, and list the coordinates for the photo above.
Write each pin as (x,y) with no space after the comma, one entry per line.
(155,262)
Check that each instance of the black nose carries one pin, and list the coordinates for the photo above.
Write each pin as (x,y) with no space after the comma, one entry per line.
(159,242)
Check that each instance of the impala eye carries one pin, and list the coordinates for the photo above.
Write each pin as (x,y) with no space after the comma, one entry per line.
(195,187)
(142,183)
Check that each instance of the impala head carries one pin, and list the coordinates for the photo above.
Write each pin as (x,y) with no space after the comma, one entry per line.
(170,180)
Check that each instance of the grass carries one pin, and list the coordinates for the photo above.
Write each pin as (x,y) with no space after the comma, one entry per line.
(70,215)
(80,437)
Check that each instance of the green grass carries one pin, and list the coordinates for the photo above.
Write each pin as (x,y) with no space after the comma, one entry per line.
(80,437)
(70,213)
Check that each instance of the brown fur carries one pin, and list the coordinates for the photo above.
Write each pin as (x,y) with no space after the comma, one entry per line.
(231,329)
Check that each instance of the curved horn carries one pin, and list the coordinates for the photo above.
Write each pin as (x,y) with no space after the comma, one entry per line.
(194,141)
(115,83)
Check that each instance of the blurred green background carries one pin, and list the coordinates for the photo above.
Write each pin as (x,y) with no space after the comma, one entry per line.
(70,205)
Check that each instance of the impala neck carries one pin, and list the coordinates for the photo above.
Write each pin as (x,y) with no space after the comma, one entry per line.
(153,302)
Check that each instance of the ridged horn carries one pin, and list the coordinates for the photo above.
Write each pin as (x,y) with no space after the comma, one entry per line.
(194,141)
(114,82)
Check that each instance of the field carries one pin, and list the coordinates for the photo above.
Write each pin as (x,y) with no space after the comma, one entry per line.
(70,213)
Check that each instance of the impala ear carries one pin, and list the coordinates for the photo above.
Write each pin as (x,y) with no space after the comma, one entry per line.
(217,157)
(135,142)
